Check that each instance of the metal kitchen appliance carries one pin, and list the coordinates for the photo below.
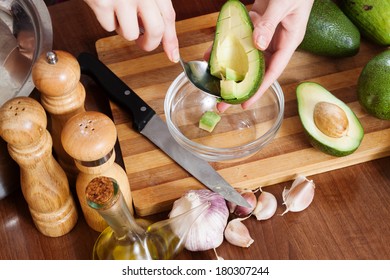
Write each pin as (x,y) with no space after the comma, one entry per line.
(25,33)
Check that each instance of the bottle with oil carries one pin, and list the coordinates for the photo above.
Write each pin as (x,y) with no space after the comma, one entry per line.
(124,239)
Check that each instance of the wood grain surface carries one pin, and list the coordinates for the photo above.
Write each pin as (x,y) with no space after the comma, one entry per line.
(156,181)
(348,219)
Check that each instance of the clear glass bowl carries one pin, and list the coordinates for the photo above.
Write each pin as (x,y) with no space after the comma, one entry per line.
(239,134)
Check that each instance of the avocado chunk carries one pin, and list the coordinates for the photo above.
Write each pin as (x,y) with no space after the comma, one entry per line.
(373,86)
(332,127)
(372,18)
(234,58)
(209,120)
(330,32)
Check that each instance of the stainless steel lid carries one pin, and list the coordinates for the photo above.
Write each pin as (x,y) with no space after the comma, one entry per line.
(25,33)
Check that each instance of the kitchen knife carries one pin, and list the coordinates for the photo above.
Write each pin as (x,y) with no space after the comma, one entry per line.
(149,124)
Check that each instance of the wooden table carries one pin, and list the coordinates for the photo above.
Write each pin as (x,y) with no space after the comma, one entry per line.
(348,219)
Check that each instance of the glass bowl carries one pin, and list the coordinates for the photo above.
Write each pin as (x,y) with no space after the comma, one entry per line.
(239,134)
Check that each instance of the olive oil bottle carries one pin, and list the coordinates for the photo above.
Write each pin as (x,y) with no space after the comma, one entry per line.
(124,239)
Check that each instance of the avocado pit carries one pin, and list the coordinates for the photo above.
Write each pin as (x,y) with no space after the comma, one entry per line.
(330,119)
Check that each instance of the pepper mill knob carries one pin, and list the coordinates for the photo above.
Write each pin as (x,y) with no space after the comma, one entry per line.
(43,181)
(89,138)
(56,75)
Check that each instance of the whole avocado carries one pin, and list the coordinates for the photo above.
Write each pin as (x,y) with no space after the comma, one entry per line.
(373,86)
(330,32)
(372,17)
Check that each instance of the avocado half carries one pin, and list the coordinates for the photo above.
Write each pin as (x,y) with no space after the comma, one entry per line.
(234,58)
(332,127)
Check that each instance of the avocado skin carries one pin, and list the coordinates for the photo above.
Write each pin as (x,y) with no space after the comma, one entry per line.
(254,89)
(326,149)
(330,32)
(373,86)
(372,17)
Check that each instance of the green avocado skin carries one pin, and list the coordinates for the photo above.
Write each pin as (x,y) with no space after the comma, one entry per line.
(373,86)
(254,89)
(330,32)
(326,149)
(372,17)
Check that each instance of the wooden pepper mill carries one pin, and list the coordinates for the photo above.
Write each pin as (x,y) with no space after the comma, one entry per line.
(56,75)
(90,138)
(44,183)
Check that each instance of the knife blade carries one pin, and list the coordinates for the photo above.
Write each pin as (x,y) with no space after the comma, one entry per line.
(149,124)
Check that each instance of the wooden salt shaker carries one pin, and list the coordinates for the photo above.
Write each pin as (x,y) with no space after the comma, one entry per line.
(56,75)
(90,138)
(44,183)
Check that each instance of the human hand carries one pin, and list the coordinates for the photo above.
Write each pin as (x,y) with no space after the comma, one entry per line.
(126,17)
(279,28)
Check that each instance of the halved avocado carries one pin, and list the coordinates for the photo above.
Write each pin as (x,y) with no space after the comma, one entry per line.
(331,125)
(234,58)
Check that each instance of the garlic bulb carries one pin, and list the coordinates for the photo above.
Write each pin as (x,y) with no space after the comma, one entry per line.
(236,233)
(207,232)
(299,196)
(266,206)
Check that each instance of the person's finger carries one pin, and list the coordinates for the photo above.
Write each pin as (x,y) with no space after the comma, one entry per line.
(126,16)
(276,65)
(265,24)
(154,26)
(105,14)
(222,106)
(206,55)
(169,39)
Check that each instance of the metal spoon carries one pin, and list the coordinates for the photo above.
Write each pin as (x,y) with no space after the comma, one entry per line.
(199,75)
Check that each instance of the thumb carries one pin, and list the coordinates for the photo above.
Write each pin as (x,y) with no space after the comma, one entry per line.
(265,25)
(263,33)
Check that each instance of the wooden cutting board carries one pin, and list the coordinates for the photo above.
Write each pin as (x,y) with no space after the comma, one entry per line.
(156,181)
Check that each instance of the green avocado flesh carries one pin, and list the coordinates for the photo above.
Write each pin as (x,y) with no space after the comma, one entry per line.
(234,59)
(209,120)
(309,95)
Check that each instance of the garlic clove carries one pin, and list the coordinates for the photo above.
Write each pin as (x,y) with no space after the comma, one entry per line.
(299,196)
(300,179)
(231,206)
(236,233)
(266,206)
(250,197)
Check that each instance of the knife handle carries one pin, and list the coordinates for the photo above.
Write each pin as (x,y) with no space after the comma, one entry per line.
(116,89)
